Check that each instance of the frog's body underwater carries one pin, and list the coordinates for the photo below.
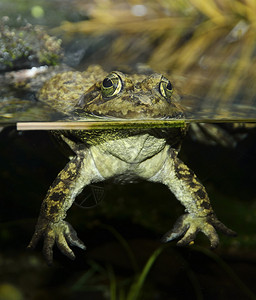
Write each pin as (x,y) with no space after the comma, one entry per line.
(125,155)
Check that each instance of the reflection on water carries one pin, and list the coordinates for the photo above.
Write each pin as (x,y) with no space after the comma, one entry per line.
(208,50)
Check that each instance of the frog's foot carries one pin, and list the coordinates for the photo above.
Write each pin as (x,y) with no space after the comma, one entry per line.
(61,233)
(188,226)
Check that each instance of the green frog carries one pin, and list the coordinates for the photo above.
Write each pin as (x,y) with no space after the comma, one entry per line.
(123,155)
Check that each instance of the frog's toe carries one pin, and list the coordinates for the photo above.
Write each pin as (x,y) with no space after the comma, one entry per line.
(35,238)
(221,227)
(48,245)
(210,232)
(61,233)
(188,237)
(188,226)
(64,248)
(179,228)
(72,238)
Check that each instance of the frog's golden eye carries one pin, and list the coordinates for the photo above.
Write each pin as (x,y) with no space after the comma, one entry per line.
(165,88)
(111,85)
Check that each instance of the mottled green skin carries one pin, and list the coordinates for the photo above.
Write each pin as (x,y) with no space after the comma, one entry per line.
(125,156)
(139,99)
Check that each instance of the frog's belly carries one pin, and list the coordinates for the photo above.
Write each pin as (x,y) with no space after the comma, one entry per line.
(134,149)
(130,159)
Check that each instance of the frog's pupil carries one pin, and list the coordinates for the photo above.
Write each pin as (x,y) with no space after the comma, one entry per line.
(169,86)
(107,83)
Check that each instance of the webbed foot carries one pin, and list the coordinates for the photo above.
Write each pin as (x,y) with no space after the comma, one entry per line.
(61,233)
(188,226)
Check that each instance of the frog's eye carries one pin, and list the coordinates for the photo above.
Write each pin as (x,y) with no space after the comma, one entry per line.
(165,88)
(111,85)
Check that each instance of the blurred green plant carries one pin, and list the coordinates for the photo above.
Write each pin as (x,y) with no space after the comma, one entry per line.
(133,288)
(116,289)
(129,289)
(212,43)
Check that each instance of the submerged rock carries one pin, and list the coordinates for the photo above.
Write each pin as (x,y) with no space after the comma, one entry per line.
(26,46)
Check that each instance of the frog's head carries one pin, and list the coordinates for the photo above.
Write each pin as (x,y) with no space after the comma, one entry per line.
(132,97)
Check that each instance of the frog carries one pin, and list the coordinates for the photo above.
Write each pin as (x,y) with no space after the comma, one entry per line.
(120,155)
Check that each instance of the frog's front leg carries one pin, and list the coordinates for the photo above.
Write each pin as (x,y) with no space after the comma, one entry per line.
(79,172)
(191,193)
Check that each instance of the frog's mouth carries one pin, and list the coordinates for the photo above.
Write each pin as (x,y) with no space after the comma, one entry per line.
(141,113)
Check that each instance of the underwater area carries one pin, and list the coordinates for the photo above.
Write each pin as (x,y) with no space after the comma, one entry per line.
(208,51)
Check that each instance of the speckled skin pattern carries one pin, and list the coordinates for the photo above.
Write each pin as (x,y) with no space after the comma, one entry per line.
(124,156)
